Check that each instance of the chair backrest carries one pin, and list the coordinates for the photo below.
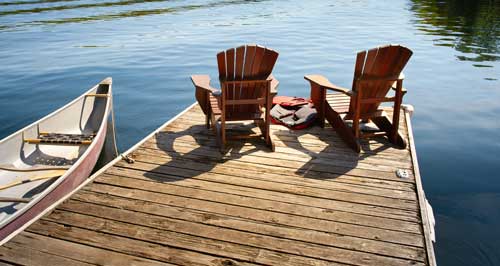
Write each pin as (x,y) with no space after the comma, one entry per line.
(381,62)
(245,63)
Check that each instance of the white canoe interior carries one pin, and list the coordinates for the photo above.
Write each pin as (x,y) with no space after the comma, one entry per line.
(30,170)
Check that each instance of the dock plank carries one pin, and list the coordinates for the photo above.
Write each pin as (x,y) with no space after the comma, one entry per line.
(79,252)
(18,253)
(290,220)
(311,202)
(332,204)
(151,203)
(283,182)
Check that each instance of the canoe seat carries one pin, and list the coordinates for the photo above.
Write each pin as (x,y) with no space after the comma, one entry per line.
(62,139)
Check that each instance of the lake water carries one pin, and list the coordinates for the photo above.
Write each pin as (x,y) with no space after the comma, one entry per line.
(53,50)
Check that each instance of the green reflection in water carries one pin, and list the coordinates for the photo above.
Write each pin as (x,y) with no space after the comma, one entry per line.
(471,27)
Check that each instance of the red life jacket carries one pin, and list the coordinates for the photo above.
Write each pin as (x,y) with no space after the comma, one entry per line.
(293,112)
(289,101)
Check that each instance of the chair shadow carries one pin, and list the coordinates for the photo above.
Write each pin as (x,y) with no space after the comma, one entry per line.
(13,207)
(330,157)
(194,151)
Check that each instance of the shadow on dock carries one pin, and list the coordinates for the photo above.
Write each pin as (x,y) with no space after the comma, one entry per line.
(316,153)
(198,158)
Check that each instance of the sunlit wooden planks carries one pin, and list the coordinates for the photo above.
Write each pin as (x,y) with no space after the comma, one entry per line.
(311,202)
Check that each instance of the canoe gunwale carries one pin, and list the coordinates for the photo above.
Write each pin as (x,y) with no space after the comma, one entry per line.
(70,171)
(95,175)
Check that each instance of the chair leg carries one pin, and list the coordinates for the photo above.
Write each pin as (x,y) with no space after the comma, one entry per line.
(267,121)
(384,124)
(356,117)
(392,130)
(216,130)
(207,119)
(396,111)
(267,135)
(214,124)
(223,136)
(344,132)
(270,144)
(265,130)
(318,97)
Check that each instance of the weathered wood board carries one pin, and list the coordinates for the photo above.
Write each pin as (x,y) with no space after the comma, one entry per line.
(311,202)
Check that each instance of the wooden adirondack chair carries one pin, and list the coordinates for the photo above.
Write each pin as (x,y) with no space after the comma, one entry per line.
(376,72)
(247,87)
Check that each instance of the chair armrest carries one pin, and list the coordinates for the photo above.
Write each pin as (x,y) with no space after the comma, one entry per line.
(394,88)
(274,84)
(325,83)
(401,77)
(203,91)
(203,82)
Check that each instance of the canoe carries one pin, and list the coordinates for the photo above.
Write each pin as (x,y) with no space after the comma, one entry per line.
(46,160)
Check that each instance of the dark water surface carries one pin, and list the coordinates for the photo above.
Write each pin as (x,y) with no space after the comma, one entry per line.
(53,50)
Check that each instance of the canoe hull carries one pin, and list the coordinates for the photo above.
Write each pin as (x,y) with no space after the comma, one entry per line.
(97,118)
(79,174)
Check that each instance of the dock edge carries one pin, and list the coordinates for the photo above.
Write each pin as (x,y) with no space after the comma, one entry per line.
(92,177)
(422,202)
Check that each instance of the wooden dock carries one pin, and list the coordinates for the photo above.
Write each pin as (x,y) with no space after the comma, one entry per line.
(312,202)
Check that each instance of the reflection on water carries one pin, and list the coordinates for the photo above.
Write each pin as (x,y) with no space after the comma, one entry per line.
(140,13)
(33,2)
(111,16)
(65,7)
(52,50)
(471,27)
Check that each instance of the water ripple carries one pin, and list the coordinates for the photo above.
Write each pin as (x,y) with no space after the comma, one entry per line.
(121,15)
(33,2)
(66,7)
